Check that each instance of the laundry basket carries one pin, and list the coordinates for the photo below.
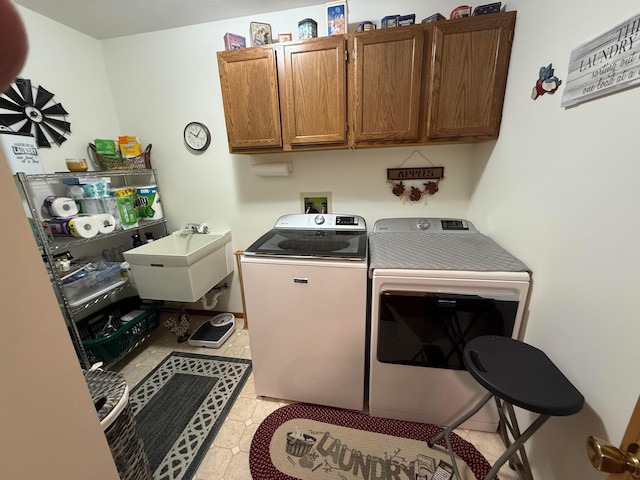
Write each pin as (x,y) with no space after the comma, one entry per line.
(110,394)
(110,348)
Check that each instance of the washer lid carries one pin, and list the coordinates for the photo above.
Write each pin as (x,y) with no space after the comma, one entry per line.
(307,243)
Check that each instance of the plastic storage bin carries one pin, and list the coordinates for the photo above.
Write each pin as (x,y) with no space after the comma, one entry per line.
(109,346)
(105,276)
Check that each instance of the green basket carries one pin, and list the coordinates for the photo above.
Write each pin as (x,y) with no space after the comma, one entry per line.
(108,349)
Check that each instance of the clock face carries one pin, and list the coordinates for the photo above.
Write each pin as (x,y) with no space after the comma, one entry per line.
(197,136)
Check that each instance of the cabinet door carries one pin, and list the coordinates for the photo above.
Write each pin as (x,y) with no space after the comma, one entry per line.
(314,98)
(468,77)
(387,85)
(249,83)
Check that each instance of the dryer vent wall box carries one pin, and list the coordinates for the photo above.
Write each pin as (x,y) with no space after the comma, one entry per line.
(315,202)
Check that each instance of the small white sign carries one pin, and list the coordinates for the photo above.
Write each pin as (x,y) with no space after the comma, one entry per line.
(21,152)
(606,64)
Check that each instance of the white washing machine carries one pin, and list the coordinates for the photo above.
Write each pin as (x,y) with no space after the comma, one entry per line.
(305,288)
(436,284)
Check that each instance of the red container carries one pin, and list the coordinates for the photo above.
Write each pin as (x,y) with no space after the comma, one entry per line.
(232,41)
(461,11)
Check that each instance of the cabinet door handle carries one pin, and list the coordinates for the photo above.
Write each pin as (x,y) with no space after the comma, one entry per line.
(300,280)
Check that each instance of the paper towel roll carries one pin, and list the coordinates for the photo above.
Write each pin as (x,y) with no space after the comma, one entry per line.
(147,202)
(123,210)
(272,169)
(85,226)
(59,206)
(106,222)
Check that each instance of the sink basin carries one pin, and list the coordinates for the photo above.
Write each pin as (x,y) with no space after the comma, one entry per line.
(181,267)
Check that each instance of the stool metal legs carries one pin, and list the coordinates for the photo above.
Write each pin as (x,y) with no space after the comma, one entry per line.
(447,432)
(507,425)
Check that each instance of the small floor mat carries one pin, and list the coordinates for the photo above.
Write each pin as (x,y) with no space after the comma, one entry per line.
(311,442)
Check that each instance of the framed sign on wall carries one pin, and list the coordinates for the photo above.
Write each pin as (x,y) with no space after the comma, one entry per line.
(604,65)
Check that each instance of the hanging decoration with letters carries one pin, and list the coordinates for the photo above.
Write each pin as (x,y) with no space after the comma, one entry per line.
(606,64)
(406,182)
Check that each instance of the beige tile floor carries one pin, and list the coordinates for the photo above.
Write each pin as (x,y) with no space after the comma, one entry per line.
(228,456)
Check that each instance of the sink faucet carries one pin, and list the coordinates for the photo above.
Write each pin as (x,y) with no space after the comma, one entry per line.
(197,228)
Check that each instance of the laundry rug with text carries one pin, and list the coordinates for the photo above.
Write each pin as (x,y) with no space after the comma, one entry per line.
(181,405)
(311,442)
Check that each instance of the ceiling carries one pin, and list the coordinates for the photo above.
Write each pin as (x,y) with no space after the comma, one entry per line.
(104,19)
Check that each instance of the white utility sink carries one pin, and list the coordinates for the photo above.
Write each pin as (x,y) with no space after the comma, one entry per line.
(181,267)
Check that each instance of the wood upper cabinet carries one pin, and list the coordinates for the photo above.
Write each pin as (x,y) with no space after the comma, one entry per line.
(468,76)
(387,84)
(249,83)
(313,86)
(440,82)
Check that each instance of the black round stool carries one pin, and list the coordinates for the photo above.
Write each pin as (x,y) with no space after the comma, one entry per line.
(515,373)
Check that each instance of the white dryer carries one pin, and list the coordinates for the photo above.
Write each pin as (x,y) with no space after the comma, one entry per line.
(436,284)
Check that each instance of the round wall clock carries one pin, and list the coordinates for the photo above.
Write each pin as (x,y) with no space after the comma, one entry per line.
(34,110)
(197,136)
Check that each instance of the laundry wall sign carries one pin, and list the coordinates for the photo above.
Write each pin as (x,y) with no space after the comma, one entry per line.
(606,64)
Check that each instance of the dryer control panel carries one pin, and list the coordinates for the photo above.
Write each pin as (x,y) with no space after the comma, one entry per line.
(449,225)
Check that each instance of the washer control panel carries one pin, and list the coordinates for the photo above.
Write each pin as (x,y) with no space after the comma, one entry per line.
(315,221)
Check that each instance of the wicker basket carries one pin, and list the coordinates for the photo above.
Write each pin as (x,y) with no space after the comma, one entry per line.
(118,423)
(110,164)
(109,348)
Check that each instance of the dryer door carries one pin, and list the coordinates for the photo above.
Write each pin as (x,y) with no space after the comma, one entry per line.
(428,329)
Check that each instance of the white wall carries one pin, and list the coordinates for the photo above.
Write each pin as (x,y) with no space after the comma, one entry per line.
(560,191)
(70,65)
(176,81)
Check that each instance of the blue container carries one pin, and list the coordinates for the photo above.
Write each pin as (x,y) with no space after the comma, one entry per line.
(389,21)
(405,20)
(366,26)
(436,17)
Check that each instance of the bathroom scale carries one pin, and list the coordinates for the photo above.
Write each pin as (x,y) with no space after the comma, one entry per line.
(214,332)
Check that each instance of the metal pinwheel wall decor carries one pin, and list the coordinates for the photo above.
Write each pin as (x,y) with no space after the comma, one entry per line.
(42,116)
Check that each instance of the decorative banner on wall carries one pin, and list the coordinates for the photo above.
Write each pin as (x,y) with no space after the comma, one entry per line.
(606,64)
(397,176)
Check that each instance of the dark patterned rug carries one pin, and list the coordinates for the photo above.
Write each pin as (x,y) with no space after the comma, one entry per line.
(312,442)
(180,406)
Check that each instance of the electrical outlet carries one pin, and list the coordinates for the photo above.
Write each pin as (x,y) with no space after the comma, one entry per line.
(315,202)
